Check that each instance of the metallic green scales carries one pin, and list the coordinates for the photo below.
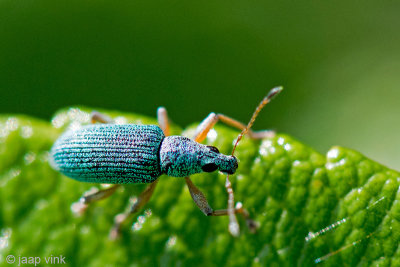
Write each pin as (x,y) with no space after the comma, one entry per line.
(110,153)
(129,154)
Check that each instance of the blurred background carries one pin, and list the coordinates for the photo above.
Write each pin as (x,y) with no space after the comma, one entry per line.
(339,62)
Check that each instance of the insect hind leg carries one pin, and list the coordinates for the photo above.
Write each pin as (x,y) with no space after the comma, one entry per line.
(95,194)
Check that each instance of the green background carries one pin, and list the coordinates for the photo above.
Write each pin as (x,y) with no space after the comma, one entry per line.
(339,62)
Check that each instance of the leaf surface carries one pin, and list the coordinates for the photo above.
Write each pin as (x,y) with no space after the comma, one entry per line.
(341,209)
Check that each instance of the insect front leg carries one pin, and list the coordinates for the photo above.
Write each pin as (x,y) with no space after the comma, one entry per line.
(251,224)
(201,202)
(123,218)
(206,125)
(199,198)
(213,118)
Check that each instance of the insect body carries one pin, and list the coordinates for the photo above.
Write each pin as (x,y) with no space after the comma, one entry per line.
(124,154)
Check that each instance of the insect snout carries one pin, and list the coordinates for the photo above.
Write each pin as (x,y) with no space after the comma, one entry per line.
(229,165)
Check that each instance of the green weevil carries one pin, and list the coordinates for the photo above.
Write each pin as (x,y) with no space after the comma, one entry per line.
(128,154)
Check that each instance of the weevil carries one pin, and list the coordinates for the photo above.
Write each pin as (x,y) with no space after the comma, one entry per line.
(119,154)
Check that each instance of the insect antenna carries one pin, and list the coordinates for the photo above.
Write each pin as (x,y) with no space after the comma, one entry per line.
(266,100)
(233,223)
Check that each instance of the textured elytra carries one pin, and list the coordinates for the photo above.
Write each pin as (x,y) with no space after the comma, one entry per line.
(110,153)
(131,154)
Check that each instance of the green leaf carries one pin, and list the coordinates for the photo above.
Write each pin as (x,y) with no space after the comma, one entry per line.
(334,210)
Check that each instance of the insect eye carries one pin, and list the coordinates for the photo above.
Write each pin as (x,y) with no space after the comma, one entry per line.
(213,149)
(209,167)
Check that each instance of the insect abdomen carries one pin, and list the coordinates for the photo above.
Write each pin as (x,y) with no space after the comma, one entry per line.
(110,153)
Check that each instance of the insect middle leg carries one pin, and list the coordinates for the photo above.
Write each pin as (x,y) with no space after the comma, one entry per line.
(123,218)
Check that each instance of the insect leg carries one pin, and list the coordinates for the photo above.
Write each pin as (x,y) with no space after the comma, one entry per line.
(206,125)
(123,218)
(199,198)
(201,202)
(92,196)
(163,121)
(251,224)
(100,117)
